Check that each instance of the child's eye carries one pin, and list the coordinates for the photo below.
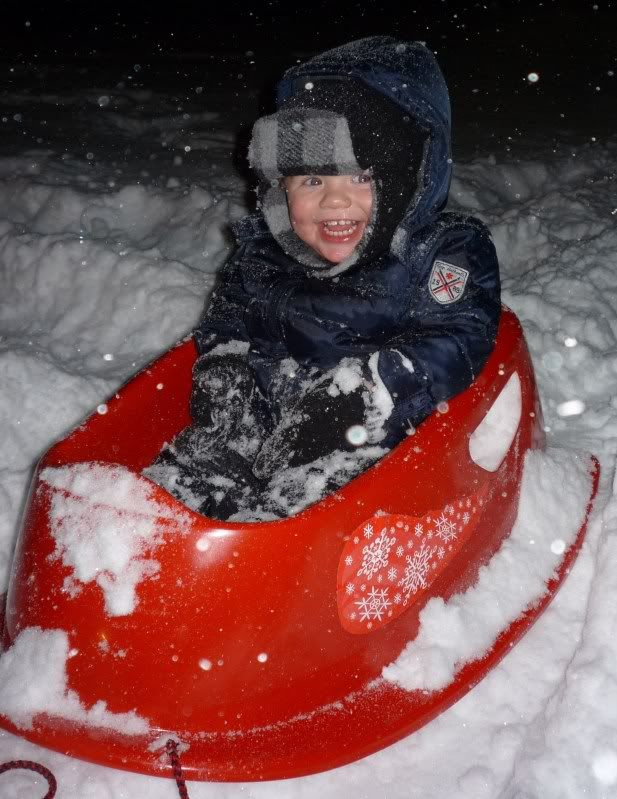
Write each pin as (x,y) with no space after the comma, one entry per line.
(312,181)
(363,178)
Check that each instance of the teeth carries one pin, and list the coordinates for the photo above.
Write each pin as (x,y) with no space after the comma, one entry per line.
(349,226)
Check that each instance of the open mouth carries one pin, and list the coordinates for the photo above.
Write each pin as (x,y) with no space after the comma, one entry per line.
(341,230)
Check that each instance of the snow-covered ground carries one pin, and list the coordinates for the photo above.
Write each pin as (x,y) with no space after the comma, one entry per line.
(114,201)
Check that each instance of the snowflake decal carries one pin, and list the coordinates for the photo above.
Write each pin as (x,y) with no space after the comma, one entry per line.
(374,605)
(418,566)
(391,560)
(445,529)
(375,555)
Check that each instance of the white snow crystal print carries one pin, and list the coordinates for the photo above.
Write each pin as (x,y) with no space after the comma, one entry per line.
(375,605)
(375,555)
(418,566)
(403,555)
(445,528)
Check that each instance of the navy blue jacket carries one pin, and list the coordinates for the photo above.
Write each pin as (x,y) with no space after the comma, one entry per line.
(432,336)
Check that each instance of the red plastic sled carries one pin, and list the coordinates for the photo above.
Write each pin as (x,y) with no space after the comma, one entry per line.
(261,646)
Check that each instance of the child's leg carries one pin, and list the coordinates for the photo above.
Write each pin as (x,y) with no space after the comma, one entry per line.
(320,420)
(207,466)
(204,474)
(319,445)
(312,428)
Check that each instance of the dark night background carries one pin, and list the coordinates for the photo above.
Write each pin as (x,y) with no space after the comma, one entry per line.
(486,49)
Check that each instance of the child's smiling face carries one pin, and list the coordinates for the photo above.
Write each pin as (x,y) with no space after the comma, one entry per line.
(330,212)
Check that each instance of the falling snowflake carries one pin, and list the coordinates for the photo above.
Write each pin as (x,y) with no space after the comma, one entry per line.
(368,531)
(465,518)
(392,574)
(348,560)
(399,552)
(418,529)
(441,553)
(375,605)
(450,510)
(398,599)
(350,588)
(446,528)
(375,555)
(418,566)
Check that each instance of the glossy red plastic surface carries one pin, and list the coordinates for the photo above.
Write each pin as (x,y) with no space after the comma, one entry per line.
(291,689)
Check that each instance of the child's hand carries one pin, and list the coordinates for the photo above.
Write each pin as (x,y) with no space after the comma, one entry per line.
(221,386)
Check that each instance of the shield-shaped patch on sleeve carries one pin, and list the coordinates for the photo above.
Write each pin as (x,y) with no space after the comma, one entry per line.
(447,282)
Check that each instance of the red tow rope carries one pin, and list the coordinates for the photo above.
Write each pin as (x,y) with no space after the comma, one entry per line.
(172,750)
(30,765)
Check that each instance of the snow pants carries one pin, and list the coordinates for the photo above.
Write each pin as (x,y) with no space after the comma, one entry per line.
(226,461)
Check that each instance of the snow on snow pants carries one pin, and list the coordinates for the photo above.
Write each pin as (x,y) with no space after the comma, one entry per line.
(224,463)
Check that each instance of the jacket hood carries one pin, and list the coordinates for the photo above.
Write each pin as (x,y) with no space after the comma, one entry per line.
(398,75)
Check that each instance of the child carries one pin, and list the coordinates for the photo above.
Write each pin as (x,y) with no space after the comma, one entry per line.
(354,303)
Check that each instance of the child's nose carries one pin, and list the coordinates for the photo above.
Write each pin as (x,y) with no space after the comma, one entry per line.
(335,197)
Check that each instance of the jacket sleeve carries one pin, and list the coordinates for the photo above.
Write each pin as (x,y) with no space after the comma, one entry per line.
(222,321)
(448,337)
